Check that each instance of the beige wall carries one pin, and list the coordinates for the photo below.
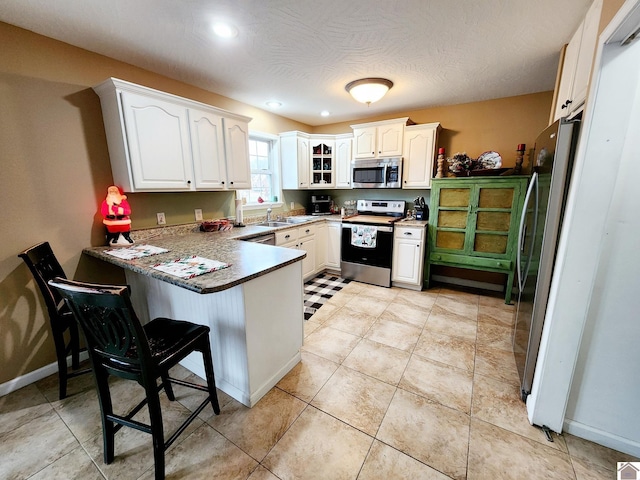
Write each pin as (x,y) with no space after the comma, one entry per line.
(498,125)
(55,168)
(55,171)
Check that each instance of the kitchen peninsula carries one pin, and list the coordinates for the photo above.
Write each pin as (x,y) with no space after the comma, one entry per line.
(254,307)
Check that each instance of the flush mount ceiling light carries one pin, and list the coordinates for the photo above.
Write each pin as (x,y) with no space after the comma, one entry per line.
(274,104)
(224,30)
(368,90)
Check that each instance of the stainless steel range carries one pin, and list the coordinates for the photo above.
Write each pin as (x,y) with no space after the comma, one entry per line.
(367,241)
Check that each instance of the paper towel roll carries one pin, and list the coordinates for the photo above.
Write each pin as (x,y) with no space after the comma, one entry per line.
(239,218)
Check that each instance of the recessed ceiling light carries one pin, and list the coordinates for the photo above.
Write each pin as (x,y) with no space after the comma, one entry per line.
(274,104)
(225,30)
(325,113)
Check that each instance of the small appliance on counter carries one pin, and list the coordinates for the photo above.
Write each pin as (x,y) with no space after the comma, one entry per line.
(422,209)
(321,205)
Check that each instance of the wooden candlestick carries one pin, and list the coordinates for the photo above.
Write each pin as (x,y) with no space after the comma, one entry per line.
(519,158)
(440,172)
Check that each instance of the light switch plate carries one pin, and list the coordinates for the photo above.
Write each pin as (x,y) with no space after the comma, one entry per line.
(198,214)
(161,218)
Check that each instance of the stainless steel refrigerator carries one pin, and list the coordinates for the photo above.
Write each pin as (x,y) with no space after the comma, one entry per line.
(551,164)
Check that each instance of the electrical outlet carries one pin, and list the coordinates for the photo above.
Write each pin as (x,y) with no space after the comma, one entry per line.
(198,214)
(161,218)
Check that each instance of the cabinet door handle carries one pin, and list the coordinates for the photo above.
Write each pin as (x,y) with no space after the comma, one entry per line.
(222,182)
(231,183)
(307,231)
(188,182)
(408,233)
(287,236)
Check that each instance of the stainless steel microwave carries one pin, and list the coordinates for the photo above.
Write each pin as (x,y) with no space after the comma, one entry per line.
(377,173)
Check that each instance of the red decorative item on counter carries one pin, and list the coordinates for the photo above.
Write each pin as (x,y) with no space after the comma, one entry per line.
(115,210)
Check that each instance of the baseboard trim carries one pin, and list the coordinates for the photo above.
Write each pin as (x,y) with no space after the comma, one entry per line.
(32,377)
(600,437)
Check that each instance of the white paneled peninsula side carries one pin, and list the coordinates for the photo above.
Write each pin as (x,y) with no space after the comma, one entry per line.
(254,307)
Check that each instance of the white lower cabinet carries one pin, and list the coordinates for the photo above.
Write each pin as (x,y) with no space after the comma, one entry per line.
(307,242)
(334,232)
(408,256)
(303,238)
(321,246)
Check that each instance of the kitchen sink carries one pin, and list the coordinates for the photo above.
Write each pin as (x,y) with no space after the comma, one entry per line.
(299,219)
(272,224)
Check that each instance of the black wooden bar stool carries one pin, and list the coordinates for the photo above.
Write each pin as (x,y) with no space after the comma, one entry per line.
(44,266)
(119,345)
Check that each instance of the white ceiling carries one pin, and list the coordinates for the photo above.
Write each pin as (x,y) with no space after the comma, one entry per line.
(303,52)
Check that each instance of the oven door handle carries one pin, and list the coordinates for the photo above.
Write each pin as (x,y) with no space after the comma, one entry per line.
(379,228)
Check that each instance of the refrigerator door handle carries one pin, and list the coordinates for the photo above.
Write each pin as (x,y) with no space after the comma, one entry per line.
(523,221)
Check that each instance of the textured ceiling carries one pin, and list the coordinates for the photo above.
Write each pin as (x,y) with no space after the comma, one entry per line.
(303,52)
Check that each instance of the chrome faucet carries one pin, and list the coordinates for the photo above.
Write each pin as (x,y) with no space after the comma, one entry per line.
(268,214)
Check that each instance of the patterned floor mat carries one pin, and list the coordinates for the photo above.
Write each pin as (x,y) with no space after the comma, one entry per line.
(320,289)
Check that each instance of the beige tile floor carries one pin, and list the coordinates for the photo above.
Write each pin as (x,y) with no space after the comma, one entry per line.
(393,384)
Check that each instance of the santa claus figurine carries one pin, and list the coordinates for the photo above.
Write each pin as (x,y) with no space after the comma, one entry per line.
(115,210)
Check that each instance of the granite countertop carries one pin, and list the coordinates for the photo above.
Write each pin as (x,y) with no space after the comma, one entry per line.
(248,260)
(412,223)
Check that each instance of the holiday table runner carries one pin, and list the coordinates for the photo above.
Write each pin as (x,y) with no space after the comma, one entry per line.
(190,267)
(138,251)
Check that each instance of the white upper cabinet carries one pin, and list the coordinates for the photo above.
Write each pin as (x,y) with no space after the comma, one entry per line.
(322,161)
(160,142)
(343,160)
(207,140)
(295,151)
(577,63)
(419,152)
(379,139)
(236,141)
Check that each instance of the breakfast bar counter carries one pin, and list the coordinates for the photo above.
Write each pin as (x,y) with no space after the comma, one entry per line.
(254,306)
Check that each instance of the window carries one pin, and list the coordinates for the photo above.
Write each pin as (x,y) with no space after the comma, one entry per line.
(265,186)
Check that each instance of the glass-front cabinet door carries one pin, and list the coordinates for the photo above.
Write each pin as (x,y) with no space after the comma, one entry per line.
(452,217)
(322,163)
(493,217)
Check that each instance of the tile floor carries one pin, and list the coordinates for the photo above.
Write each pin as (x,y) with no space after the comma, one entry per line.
(393,384)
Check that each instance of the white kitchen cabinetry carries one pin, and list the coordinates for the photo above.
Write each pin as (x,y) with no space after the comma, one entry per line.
(236,142)
(307,242)
(160,142)
(322,162)
(577,63)
(295,151)
(379,139)
(343,160)
(321,246)
(207,138)
(419,152)
(302,238)
(408,256)
(334,231)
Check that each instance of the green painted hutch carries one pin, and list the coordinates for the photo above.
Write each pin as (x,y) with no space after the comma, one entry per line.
(474,224)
